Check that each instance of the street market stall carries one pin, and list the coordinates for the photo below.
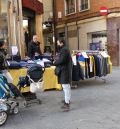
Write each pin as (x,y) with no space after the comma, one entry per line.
(49,78)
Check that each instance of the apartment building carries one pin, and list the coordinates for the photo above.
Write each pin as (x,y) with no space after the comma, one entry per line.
(83,27)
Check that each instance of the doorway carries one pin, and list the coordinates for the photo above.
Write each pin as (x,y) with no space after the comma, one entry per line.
(28,26)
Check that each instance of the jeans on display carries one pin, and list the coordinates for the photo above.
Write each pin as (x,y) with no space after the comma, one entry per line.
(67,92)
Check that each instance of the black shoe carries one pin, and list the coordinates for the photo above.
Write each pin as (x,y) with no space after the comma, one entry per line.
(66,107)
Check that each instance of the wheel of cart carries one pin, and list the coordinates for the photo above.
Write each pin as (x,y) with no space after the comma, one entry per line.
(3,117)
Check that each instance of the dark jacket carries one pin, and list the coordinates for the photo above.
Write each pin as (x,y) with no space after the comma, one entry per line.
(33,48)
(77,72)
(65,63)
(3,61)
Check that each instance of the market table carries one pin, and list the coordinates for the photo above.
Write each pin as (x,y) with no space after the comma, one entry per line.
(49,78)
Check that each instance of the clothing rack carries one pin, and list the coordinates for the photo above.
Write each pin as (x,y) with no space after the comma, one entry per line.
(88,51)
(92,52)
(85,51)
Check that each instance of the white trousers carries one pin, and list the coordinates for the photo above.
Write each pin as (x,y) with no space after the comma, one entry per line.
(67,92)
(8,76)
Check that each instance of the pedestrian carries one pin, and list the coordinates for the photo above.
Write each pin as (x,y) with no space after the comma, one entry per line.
(26,38)
(3,61)
(64,64)
(34,47)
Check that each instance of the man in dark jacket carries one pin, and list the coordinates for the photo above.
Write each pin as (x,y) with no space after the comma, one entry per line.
(64,78)
(34,47)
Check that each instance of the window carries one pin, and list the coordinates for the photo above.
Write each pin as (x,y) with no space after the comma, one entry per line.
(70,6)
(84,5)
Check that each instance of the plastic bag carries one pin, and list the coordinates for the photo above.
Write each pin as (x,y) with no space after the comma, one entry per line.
(36,87)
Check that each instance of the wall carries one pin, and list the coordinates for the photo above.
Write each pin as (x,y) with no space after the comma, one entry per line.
(73,43)
(3,6)
(72,37)
(94,10)
(113,34)
(91,26)
(0,7)
(39,30)
(47,4)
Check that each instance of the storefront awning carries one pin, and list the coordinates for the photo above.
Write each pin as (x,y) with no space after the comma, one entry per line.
(34,5)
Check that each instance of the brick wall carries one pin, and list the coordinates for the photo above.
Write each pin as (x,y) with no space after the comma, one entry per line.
(94,10)
(113,39)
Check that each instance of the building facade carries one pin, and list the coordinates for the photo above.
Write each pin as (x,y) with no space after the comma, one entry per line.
(48,25)
(13,15)
(80,23)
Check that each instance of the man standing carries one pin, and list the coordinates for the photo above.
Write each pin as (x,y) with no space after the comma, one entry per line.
(34,47)
(64,62)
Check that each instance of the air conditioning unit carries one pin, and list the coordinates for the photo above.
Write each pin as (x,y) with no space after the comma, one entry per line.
(59,14)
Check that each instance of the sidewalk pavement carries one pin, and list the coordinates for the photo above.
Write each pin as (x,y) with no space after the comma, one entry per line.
(94,105)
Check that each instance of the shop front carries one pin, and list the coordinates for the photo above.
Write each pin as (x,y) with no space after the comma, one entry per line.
(89,34)
(97,40)
(32,11)
(14,16)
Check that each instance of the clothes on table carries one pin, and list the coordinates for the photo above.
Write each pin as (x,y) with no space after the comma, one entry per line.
(47,76)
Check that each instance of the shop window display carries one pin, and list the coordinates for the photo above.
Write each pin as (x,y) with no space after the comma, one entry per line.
(97,40)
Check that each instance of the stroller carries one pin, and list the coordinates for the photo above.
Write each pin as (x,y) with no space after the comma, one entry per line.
(34,77)
(7,105)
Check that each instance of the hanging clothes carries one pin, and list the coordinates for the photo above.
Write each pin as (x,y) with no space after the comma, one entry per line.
(77,72)
(91,64)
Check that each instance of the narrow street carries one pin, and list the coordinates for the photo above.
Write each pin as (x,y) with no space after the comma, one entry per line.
(95,105)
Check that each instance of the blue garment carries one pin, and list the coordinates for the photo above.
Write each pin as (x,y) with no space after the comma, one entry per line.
(4,88)
(81,58)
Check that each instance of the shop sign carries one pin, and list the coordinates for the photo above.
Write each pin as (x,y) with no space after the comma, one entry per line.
(103,11)
(34,5)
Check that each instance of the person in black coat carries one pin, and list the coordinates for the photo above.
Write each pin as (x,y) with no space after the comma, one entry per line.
(3,62)
(64,62)
(34,47)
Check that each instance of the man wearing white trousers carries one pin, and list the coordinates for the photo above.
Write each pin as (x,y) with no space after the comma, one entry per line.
(64,72)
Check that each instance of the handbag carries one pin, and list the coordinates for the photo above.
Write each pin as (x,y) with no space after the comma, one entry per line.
(36,87)
(57,70)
